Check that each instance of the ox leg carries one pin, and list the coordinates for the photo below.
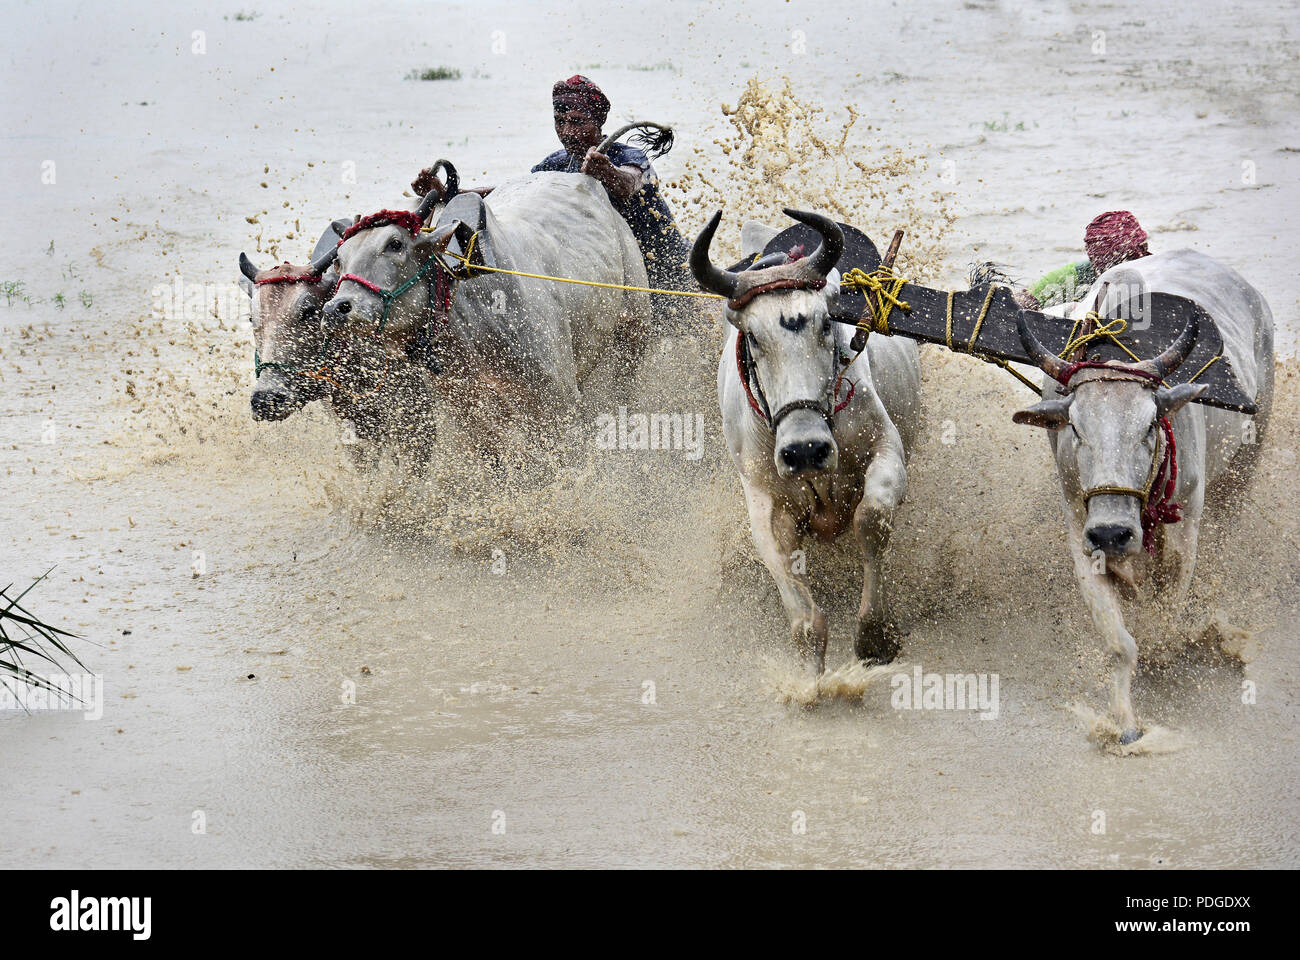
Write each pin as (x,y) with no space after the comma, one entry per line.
(884,485)
(1103,604)
(776,540)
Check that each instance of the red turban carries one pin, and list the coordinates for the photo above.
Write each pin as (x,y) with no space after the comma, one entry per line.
(581,93)
(1113,238)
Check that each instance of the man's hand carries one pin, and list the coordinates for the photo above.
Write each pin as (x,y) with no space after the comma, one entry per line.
(622,182)
(1026,300)
(426,181)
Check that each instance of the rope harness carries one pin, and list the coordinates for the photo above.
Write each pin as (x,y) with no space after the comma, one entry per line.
(1162,477)
(749,375)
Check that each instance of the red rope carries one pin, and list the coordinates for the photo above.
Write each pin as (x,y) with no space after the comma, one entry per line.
(1161,510)
(1075,367)
(398,218)
(355,279)
(290,278)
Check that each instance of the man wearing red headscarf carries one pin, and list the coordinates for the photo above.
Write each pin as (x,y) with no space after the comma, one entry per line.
(1112,238)
(580,109)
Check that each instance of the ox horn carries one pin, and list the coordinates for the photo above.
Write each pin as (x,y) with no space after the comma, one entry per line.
(827,254)
(246,267)
(1177,352)
(453,178)
(322,263)
(431,199)
(707,275)
(1052,365)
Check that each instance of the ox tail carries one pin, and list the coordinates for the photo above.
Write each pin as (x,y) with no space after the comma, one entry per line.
(655,138)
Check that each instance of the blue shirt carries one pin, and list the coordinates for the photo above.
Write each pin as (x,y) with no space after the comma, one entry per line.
(645,211)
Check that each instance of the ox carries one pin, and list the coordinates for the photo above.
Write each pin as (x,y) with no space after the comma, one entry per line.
(1108,435)
(381,406)
(820,436)
(513,349)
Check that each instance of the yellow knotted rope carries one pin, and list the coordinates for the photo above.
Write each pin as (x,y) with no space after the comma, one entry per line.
(970,344)
(1105,330)
(1111,329)
(885,285)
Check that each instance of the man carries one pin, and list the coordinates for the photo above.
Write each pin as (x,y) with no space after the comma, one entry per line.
(580,109)
(1112,238)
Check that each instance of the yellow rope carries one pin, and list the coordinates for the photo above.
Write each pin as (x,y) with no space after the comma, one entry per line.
(997,361)
(1207,366)
(984,312)
(886,296)
(470,268)
(1105,329)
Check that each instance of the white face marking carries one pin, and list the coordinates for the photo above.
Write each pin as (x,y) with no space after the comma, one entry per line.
(791,340)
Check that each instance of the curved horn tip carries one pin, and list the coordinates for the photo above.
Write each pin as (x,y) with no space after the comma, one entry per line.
(246,266)
(1178,351)
(828,252)
(710,277)
(1048,362)
(321,264)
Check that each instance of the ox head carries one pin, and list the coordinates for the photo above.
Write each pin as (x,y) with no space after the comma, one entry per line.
(385,256)
(287,338)
(1109,423)
(783,312)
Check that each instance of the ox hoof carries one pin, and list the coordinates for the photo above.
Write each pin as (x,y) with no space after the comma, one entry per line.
(875,643)
(1131,735)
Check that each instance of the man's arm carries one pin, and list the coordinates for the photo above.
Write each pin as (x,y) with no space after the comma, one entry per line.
(621,182)
(428,180)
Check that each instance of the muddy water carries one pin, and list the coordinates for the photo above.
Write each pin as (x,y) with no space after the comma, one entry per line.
(369,672)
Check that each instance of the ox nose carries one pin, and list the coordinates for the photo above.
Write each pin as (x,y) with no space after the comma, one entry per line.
(805,455)
(1113,540)
(337,309)
(273,404)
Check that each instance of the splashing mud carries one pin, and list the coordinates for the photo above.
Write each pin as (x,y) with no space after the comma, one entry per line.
(848,682)
(364,666)
(782,149)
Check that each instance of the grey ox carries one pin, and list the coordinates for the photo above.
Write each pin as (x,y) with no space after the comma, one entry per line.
(820,442)
(1106,435)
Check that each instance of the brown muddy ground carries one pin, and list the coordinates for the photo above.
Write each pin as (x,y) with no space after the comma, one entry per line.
(498,641)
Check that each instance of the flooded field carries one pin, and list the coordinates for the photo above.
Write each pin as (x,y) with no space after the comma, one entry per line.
(332,668)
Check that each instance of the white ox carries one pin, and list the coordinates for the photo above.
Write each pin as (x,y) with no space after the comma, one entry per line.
(826,447)
(513,349)
(1106,437)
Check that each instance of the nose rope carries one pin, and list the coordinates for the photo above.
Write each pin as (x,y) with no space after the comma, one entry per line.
(1163,475)
(745,369)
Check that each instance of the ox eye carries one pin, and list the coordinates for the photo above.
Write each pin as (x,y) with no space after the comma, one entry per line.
(826,327)
(394,245)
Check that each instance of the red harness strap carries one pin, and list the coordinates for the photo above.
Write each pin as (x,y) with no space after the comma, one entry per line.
(398,218)
(786,283)
(289,278)
(1160,510)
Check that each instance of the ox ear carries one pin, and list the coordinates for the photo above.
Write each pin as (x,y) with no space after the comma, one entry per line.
(1053,414)
(434,243)
(1170,399)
